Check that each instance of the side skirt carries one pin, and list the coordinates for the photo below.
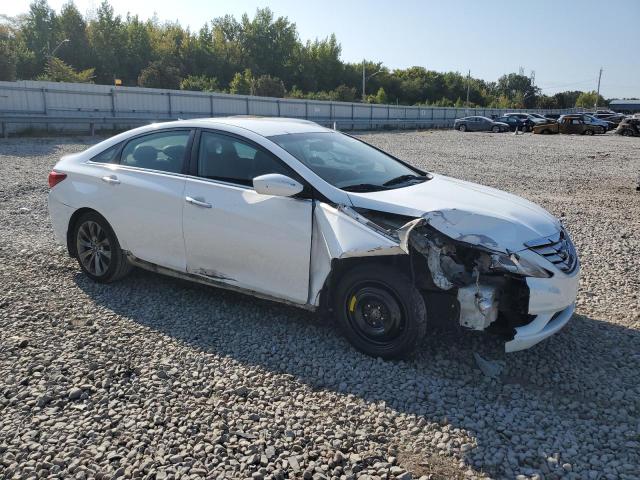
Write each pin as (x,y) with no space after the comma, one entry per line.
(203,279)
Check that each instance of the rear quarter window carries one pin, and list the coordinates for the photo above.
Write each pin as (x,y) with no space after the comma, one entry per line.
(107,156)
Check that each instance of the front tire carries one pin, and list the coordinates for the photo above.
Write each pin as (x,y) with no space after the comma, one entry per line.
(98,250)
(588,132)
(496,129)
(462,128)
(380,311)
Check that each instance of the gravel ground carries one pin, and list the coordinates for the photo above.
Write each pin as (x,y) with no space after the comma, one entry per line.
(158,378)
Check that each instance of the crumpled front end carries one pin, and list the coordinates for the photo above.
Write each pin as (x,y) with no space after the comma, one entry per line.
(467,279)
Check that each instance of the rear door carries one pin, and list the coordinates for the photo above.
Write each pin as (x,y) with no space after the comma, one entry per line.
(142,195)
(236,236)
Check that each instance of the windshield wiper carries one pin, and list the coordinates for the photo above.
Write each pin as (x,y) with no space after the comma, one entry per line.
(403,178)
(364,187)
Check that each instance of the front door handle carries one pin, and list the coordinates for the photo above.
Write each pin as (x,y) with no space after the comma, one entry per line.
(112,179)
(197,201)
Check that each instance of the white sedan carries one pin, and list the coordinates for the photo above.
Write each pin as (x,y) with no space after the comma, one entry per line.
(287,210)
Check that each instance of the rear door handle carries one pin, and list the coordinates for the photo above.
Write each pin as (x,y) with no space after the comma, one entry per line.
(198,202)
(112,179)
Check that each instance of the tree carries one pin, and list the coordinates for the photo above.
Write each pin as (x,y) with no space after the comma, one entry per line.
(381,96)
(72,27)
(159,75)
(58,71)
(39,33)
(588,100)
(519,89)
(8,53)
(106,35)
(343,94)
(268,86)
(269,44)
(138,50)
(241,83)
(200,83)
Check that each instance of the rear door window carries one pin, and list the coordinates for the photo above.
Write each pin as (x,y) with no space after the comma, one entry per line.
(162,151)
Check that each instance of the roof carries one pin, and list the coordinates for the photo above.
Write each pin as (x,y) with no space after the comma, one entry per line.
(267,126)
(624,102)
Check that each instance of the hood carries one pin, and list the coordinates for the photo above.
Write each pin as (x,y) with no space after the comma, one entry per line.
(466,211)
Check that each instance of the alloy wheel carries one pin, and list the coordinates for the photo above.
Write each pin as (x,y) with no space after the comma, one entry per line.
(94,248)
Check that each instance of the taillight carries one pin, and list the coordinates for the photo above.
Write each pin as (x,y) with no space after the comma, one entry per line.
(55,178)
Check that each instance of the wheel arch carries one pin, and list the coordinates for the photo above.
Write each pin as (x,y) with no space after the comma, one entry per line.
(72,225)
(340,266)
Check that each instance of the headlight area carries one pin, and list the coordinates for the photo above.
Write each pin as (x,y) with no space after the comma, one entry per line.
(471,286)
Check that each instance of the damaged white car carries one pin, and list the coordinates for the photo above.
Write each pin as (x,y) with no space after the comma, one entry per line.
(287,210)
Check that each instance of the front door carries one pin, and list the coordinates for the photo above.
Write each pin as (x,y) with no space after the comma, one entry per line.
(236,236)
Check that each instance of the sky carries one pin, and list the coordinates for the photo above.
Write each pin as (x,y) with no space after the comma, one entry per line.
(565,42)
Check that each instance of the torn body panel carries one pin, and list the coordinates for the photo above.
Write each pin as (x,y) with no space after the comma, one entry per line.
(338,233)
(491,284)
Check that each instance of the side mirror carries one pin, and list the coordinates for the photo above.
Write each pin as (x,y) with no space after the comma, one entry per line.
(276,184)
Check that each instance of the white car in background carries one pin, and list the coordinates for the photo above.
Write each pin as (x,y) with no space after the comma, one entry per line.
(288,210)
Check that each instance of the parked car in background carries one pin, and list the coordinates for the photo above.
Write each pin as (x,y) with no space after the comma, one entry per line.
(597,122)
(569,124)
(527,120)
(629,127)
(542,119)
(287,210)
(514,123)
(614,118)
(479,124)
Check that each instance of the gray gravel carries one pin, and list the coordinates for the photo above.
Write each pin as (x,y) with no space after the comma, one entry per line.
(157,378)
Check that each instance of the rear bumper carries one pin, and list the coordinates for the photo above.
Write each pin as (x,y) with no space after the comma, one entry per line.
(60,215)
(552,301)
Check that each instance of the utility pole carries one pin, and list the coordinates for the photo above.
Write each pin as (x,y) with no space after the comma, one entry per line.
(598,92)
(468,86)
(363,79)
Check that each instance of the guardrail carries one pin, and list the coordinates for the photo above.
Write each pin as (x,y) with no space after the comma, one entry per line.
(336,123)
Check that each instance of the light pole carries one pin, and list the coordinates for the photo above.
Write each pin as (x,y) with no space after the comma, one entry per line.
(365,78)
(66,40)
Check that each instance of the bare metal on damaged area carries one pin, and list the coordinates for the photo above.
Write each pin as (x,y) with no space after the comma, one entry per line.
(494,261)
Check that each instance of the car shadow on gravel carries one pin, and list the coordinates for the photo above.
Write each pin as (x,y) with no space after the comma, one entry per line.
(588,367)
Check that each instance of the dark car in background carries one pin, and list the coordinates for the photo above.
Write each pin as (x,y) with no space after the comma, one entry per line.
(629,127)
(614,118)
(480,124)
(515,122)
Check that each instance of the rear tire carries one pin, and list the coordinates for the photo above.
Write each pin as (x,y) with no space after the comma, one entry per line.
(627,133)
(97,249)
(462,128)
(380,311)
(496,129)
(588,132)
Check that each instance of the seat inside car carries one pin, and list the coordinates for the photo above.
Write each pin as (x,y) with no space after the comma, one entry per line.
(219,159)
(145,156)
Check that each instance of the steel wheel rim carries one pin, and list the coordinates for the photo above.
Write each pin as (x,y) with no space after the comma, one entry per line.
(94,248)
(375,314)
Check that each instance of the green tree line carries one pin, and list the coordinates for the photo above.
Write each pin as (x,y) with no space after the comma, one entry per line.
(259,55)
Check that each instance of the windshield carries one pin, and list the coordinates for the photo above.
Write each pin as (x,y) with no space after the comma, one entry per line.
(347,163)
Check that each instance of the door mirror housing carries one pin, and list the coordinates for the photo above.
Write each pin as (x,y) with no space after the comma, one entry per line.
(277,184)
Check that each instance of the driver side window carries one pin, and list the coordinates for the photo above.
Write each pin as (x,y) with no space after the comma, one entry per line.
(223,157)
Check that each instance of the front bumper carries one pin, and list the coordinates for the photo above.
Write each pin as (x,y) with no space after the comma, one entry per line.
(552,301)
